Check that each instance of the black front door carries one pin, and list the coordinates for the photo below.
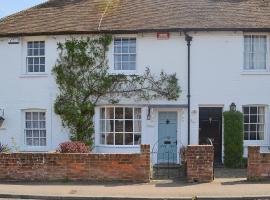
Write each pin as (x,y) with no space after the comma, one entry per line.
(210,128)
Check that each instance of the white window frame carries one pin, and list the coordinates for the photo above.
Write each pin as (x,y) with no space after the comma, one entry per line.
(114,132)
(114,53)
(264,124)
(267,54)
(33,147)
(36,56)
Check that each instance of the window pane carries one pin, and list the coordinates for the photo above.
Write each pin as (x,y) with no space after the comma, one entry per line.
(119,126)
(109,126)
(28,116)
(42,124)
(43,133)
(29,134)
(117,49)
(119,139)
(35,133)
(36,142)
(117,58)
(137,126)
(102,113)
(246,110)
(253,119)
(137,139)
(30,68)
(260,136)
(42,116)
(29,141)
(102,125)
(137,113)
(128,139)
(42,44)
(29,44)
(36,52)
(119,113)
(128,113)
(246,135)
(252,127)
(253,135)
(36,61)
(117,42)
(253,110)
(42,68)
(110,138)
(36,68)
(30,61)
(102,138)
(246,118)
(28,124)
(36,44)
(43,142)
(42,52)
(35,116)
(109,113)
(117,66)
(261,110)
(128,126)
(42,60)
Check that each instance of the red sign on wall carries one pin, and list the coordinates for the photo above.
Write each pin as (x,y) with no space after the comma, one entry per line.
(163,36)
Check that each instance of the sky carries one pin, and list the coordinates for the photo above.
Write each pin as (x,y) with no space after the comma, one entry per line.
(8,7)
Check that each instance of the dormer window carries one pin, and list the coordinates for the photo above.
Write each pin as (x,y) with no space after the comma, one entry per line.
(35,60)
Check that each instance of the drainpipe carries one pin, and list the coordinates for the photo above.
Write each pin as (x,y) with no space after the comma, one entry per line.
(188,39)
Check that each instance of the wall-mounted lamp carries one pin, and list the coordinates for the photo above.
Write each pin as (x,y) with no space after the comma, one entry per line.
(2,119)
(233,107)
(149,113)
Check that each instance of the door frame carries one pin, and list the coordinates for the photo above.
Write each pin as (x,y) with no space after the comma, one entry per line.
(221,106)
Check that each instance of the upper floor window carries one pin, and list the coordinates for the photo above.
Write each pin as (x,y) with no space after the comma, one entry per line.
(120,126)
(125,54)
(255,52)
(35,61)
(35,128)
(254,122)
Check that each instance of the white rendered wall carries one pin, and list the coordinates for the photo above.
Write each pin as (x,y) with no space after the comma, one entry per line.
(217,79)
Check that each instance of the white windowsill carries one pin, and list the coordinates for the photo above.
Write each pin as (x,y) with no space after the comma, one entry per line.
(118,146)
(255,72)
(33,75)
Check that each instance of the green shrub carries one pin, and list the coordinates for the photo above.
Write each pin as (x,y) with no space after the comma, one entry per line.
(233,139)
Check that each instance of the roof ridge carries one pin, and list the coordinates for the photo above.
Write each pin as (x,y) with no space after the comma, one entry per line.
(25,10)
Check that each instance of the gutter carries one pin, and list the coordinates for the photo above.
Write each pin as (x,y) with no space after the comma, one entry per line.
(131,31)
(188,39)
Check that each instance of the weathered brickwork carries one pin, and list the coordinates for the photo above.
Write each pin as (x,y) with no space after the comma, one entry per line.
(258,164)
(199,163)
(92,167)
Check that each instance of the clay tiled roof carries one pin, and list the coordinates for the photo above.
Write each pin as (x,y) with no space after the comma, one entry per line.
(89,16)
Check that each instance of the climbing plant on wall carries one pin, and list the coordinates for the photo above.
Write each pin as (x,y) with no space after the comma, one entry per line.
(233,138)
(83,78)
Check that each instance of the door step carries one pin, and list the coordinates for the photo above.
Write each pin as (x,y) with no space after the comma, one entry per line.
(168,171)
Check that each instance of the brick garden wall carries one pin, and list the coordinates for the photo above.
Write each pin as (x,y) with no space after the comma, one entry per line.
(258,164)
(199,163)
(89,167)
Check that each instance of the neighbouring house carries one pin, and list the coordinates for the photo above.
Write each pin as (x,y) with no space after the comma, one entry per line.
(219,50)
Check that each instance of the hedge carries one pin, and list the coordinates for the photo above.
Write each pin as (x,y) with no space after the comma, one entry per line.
(233,139)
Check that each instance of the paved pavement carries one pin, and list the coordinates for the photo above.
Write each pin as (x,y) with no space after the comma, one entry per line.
(223,186)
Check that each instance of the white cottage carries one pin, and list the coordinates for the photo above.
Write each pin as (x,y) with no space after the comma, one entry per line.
(218,49)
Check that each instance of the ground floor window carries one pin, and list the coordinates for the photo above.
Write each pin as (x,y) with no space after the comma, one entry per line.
(35,128)
(120,126)
(254,122)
